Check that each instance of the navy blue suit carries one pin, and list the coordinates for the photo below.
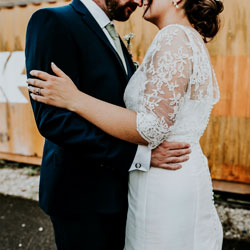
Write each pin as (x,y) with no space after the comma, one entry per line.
(84,170)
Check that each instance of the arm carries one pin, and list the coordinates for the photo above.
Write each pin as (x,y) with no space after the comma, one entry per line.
(114,120)
(168,155)
(48,40)
(168,71)
(168,74)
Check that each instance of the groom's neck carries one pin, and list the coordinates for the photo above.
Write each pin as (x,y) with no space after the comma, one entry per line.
(102,5)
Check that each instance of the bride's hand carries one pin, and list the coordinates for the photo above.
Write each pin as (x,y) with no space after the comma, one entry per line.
(57,90)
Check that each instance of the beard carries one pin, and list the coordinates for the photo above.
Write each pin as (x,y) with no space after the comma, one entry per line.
(119,12)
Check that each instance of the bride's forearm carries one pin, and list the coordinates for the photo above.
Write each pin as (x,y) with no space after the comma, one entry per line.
(114,120)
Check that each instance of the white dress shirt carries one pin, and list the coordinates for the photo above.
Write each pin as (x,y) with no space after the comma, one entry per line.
(143,153)
(102,19)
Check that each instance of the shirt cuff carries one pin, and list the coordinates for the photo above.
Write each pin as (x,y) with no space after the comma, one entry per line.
(142,159)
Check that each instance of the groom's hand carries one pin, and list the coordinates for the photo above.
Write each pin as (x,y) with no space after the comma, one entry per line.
(169,155)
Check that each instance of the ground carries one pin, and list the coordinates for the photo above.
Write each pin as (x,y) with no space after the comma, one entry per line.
(23,225)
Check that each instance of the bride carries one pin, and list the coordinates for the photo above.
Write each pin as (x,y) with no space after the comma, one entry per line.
(169,97)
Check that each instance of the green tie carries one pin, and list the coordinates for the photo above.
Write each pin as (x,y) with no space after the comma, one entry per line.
(111,30)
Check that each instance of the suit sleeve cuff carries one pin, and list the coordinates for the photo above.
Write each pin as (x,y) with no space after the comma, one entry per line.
(142,159)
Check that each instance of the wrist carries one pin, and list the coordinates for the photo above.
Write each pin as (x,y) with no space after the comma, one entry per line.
(73,104)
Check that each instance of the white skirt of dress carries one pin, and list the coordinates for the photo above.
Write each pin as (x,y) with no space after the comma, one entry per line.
(173,210)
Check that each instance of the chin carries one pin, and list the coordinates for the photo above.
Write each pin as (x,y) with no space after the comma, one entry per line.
(123,16)
(148,17)
(151,20)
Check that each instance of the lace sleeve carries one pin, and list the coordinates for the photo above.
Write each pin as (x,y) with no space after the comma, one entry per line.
(168,69)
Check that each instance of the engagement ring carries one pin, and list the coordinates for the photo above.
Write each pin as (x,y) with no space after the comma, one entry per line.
(38,92)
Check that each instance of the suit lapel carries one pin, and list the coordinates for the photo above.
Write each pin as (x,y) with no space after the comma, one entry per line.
(94,26)
(129,61)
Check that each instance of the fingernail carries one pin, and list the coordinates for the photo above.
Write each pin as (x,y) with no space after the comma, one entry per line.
(53,64)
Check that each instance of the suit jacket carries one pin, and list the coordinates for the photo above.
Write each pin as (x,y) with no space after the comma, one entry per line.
(83,168)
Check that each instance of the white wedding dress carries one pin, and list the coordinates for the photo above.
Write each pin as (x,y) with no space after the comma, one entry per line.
(173,92)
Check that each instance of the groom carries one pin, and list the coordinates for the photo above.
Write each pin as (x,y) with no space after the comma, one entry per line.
(84,172)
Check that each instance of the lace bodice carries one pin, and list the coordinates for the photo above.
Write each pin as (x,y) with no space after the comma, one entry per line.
(174,89)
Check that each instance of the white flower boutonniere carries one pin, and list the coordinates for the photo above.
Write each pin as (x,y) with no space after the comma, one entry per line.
(128,39)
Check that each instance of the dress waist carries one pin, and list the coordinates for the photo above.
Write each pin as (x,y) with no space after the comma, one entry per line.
(197,162)
(192,140)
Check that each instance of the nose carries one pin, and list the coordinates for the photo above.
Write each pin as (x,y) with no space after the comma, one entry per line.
(138,2)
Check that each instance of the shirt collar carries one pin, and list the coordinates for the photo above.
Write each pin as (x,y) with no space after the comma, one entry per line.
(100,16)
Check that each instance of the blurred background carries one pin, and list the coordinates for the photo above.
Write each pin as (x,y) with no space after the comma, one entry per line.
(226,141)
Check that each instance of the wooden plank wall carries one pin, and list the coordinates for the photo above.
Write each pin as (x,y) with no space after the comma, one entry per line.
(19,137)
(227,139)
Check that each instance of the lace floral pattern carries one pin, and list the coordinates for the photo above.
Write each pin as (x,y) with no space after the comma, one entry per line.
(175,71)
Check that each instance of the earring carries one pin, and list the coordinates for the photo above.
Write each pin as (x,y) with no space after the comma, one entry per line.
(175,4)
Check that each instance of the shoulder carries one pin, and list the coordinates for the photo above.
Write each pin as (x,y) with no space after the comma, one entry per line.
(51,14)
(48,23)
(173,34)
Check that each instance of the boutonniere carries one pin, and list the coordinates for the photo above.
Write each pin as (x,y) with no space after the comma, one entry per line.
(128,39)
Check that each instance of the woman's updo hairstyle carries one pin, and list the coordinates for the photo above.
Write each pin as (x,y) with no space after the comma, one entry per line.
(204,16)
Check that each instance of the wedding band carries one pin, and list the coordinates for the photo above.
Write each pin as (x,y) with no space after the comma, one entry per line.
(38,92)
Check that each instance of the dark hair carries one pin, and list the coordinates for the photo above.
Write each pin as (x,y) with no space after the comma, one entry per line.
(204,16)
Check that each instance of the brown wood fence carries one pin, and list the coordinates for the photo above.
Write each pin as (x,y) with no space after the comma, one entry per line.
(227,139)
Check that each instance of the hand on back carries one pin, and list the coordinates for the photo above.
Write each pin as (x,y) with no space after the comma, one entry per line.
(170,155)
